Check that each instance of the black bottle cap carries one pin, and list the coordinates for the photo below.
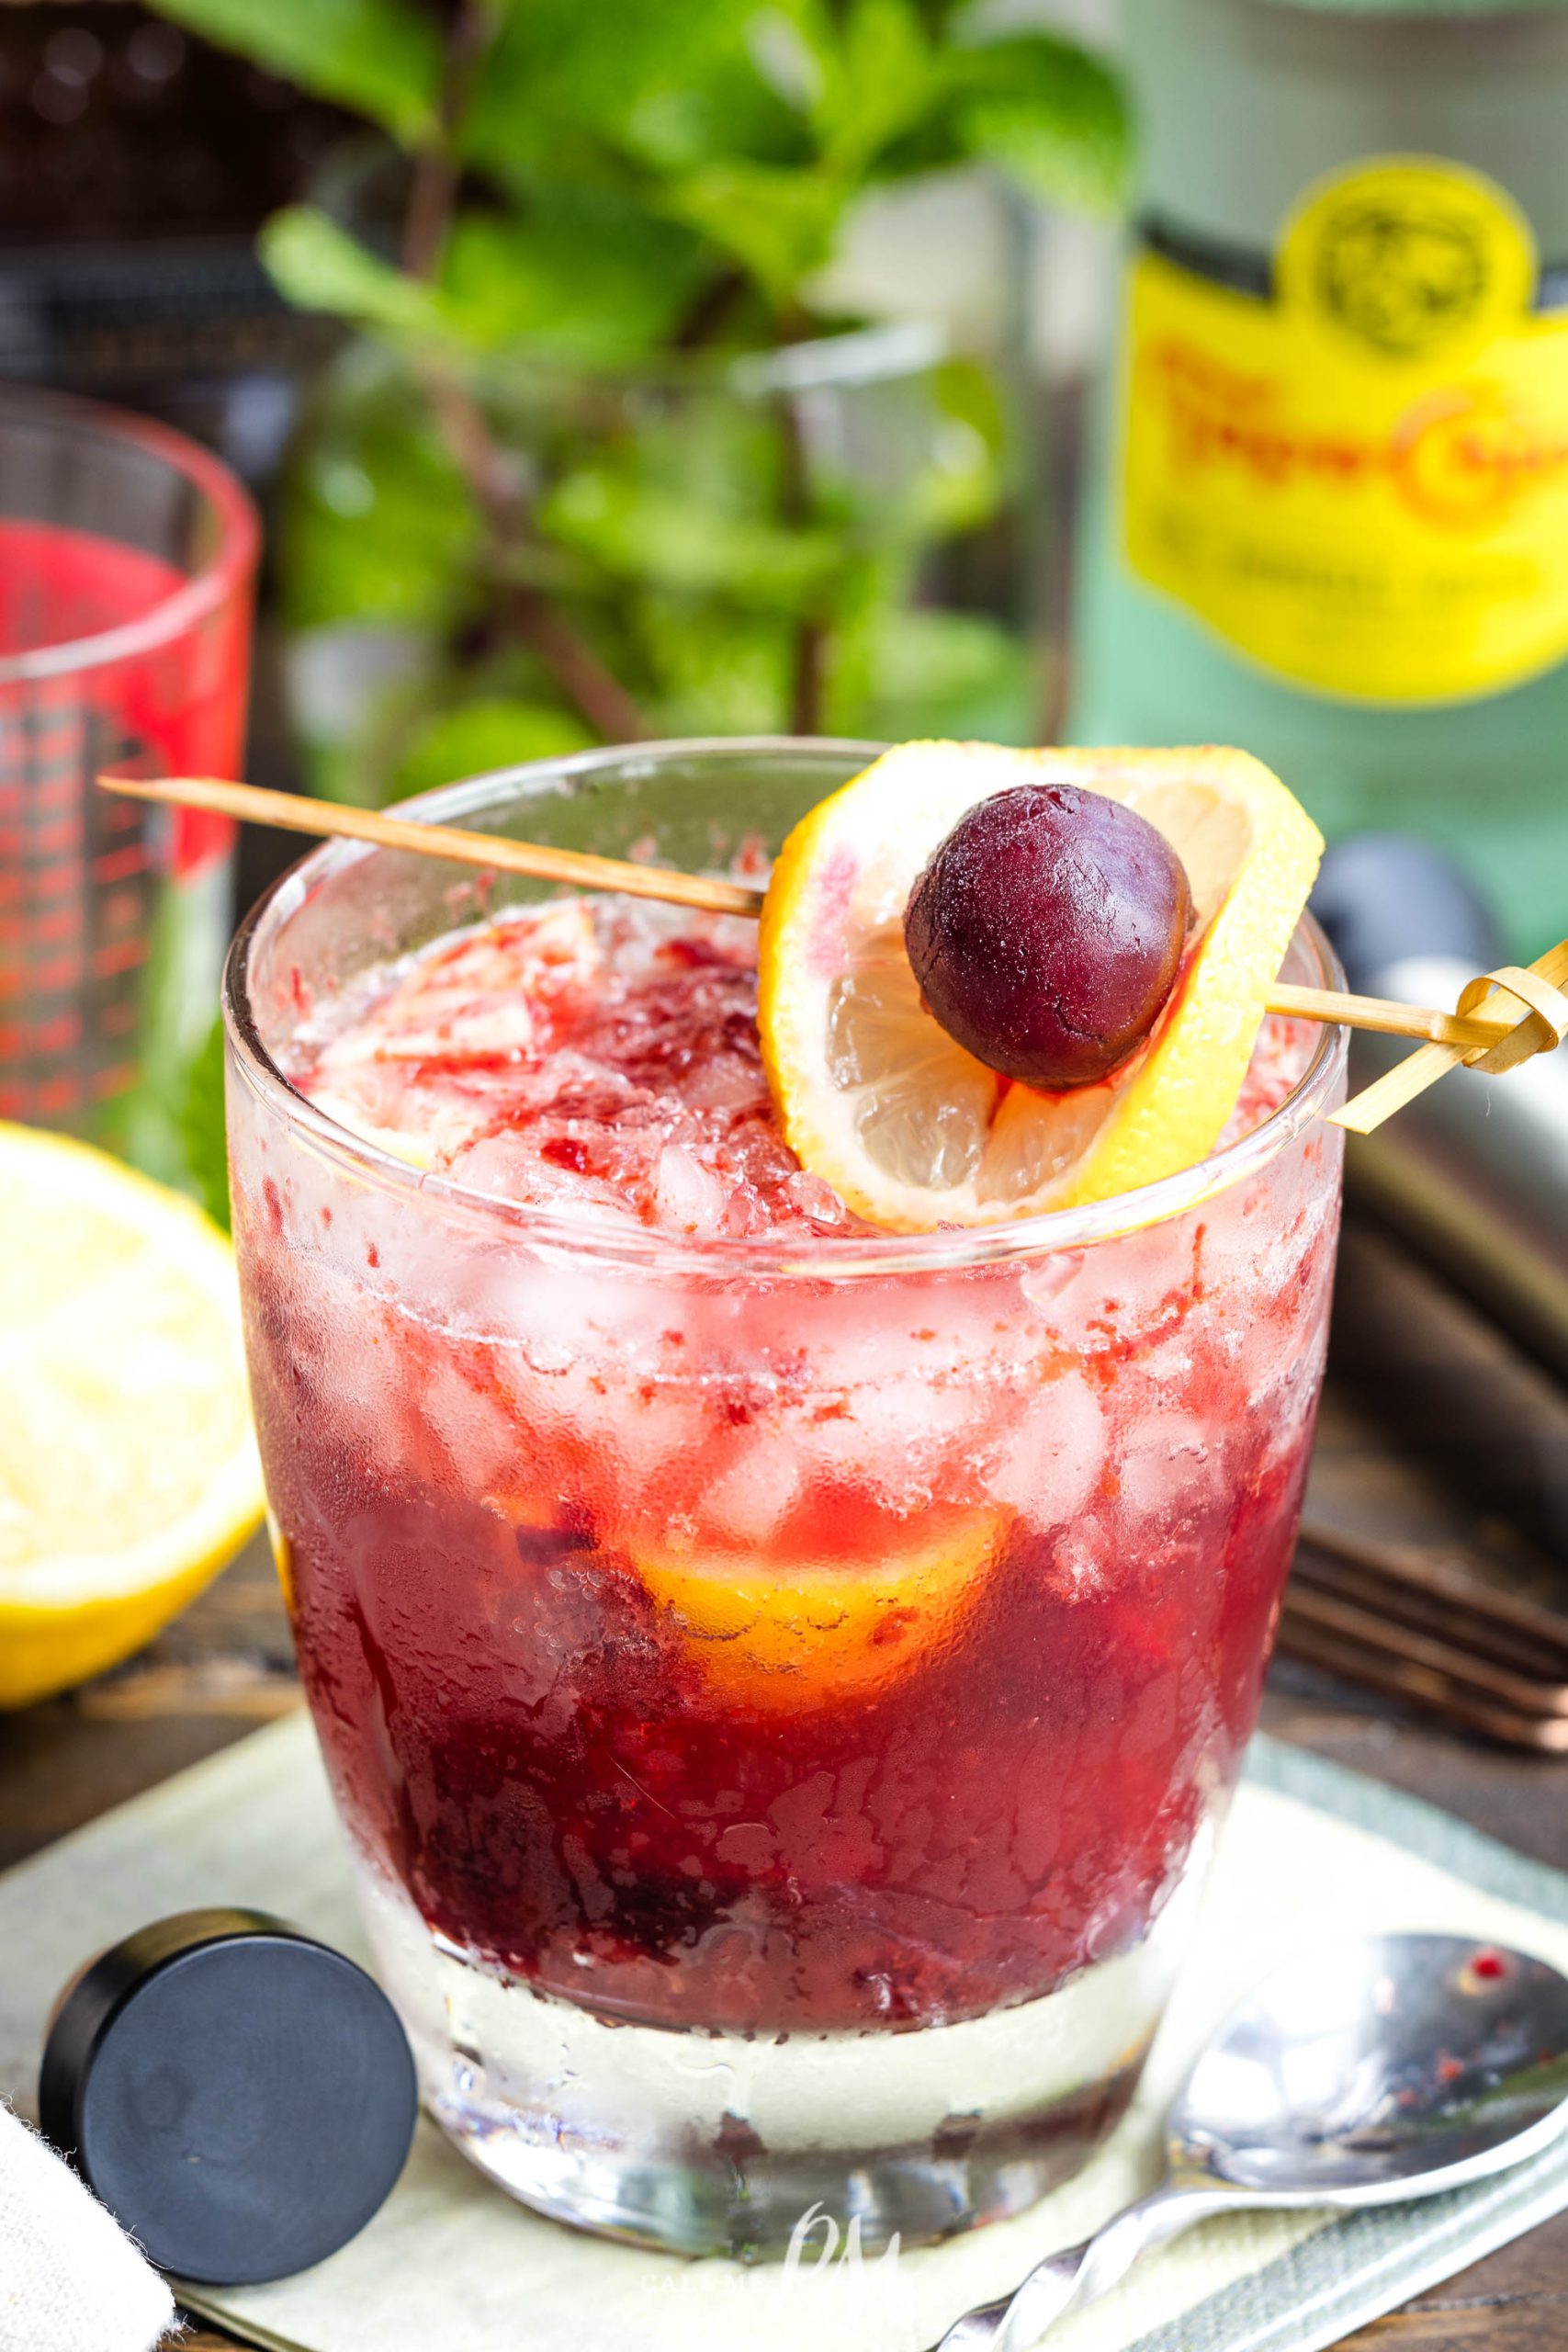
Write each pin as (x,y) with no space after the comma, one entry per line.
(240,2097)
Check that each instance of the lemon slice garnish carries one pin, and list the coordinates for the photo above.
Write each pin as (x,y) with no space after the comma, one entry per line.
(909,1128)
(127,1468)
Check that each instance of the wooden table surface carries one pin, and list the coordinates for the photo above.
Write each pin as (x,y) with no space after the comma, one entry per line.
(1435,1432)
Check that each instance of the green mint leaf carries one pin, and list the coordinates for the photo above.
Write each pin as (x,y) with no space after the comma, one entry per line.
(779,224)
(861,74)
(639,530)
(481,735)
(378,525)
(1051,115)
(317,265)
(885,82)
(733,107)
(379,58)
(568,62)
(793,50)
(920,462)
(587,277)
(169,1121)
(714,669)
(202,1132)
(948,675)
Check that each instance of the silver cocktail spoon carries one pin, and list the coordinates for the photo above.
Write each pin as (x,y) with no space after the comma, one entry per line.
(1364,2073)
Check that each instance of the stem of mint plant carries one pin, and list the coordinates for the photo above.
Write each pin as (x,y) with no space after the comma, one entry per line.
(432,191)
(809,669)
(585,681)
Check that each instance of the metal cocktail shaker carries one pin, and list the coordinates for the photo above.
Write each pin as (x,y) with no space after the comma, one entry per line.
(1475,1170)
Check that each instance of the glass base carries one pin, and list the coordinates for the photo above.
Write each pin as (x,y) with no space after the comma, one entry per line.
(718,2143)
(755,2204)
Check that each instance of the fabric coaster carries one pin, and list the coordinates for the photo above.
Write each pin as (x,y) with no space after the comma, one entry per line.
(1309,1849)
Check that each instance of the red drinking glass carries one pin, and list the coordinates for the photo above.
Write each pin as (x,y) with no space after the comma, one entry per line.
(127,556)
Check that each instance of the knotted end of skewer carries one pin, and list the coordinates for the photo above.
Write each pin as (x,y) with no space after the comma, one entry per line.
(1544,1021)
(1541,1024)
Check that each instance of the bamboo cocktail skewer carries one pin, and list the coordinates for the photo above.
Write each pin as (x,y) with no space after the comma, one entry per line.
(1447,1031)
(1388,1017)
(292,813)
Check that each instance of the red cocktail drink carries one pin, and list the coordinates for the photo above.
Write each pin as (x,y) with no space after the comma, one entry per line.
(778,1676)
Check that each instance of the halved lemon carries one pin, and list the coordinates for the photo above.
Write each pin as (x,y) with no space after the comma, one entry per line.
(905,1126)
(793,1636)
(128,1467)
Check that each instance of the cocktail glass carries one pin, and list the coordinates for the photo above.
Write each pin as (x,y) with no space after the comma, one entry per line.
(780,1693)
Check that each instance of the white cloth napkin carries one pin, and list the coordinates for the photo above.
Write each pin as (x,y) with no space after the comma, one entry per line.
(69,2278)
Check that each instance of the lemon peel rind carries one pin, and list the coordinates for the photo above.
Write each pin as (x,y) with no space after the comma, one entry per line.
(67,1616)
(1221,1005)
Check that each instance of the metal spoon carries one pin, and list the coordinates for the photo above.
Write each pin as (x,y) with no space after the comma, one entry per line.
(1363,2073)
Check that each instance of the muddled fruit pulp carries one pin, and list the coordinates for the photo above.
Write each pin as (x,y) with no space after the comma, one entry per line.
(746,1648)
(604,1061)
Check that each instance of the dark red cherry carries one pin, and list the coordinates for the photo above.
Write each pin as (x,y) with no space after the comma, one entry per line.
(1046,932)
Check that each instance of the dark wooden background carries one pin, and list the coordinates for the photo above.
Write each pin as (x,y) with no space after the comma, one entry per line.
(1435,1433)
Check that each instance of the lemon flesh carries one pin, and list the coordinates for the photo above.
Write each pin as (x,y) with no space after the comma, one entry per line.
(912,1131)
(128,1467)
(791,1635)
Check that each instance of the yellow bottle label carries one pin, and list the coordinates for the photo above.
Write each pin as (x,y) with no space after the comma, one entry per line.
(1361,482)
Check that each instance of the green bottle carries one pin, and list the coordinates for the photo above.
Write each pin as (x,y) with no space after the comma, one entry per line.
(1327,510)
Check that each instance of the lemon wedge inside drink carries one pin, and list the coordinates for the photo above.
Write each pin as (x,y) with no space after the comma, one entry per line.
(907,1126)
(127,1468)
(790,1635)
